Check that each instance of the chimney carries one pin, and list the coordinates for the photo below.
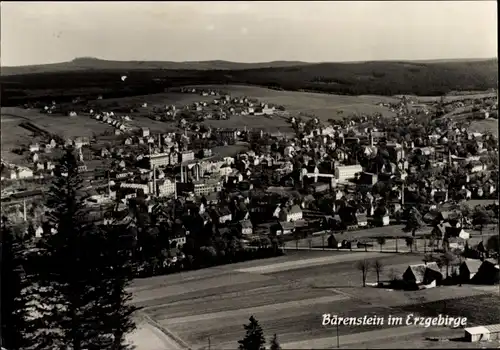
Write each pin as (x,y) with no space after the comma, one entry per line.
(182,174)
(109,185)
(154,181)
(175,188)
(403,195)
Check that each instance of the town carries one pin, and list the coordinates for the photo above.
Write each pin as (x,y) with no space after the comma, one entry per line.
(198,196)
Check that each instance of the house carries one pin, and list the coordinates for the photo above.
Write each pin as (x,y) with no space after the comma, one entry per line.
(333,242)
(319,187)
(105,153)
(482,333)
(186,156)
(24,173)
(488,273)
(51,144)
(362,220)
(381,217)
(285,228)
(468,269)
(40,166)
(294,214)
(423,274)
(35,147)
(178,239)
(453,243)
(246,227)
(82,167)
(144,132)
(221,215)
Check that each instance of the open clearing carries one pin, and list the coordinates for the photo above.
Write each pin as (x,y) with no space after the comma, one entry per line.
(482,126)
(288,295)
(14,136)
(66,127)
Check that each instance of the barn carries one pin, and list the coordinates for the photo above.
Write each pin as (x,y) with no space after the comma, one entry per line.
(482,333)
(488,273)
(423,274)
(469,268)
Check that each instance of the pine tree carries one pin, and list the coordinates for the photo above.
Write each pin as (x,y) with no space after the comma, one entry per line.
(275,345)
(254,337)
(116,314)
(14,323)
(81,285)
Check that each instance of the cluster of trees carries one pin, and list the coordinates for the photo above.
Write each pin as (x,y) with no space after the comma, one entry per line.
(156,252)
(254,338)
(68,288)
(365,266)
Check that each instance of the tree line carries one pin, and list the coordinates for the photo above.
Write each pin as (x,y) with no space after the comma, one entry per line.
(67,289)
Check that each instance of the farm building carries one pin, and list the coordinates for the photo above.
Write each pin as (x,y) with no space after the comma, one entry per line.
(423,273)
(469,268)
(488,273)
(482,333)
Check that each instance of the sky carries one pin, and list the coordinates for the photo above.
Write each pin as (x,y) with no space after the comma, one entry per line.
(50,32)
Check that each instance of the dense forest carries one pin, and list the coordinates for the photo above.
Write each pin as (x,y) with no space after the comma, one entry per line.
(375,78)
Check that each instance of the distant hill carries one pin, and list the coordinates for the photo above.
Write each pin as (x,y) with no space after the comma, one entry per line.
(88,63)
(363,78)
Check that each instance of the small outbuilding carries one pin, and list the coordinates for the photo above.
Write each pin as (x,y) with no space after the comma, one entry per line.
(475,334)
(423,274)
(482,333)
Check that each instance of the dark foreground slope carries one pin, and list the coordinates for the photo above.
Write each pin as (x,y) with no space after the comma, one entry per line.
(377,78)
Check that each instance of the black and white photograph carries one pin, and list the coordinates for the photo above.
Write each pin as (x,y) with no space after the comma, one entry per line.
(251,175)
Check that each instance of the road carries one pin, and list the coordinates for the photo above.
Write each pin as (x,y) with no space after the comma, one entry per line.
(148,337)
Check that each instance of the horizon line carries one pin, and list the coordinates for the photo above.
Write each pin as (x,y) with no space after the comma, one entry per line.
(258,62)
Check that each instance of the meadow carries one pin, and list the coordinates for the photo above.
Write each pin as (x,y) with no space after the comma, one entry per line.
(14,136)
(288,295)
(324,106)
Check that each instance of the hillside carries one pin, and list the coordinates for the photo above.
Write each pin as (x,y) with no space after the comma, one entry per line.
(86,64)
(367,78)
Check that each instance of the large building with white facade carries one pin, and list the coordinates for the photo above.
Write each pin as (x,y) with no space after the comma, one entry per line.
(205,187)
(159,159)
(166,188)
(346,172)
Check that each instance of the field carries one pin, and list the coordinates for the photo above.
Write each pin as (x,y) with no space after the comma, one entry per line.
(481,126)
(289,295)
(324,106)
(13,135)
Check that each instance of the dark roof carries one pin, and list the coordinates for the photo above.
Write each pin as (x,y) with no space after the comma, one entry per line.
(418,271)
(472,265)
